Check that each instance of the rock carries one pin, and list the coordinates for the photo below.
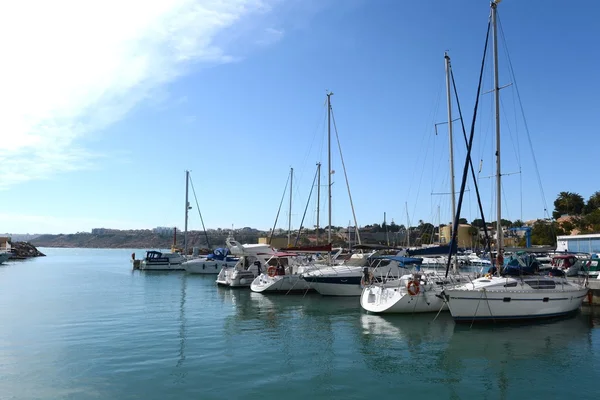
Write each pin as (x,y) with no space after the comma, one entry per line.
(21,250)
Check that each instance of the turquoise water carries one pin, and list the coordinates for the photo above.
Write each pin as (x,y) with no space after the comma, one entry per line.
(79,324)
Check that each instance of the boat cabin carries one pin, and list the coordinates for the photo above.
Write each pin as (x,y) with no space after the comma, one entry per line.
(564,261)
(154,256)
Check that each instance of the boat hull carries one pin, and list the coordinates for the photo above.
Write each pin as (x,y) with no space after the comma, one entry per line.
(378,299)
(206,266)
(161,267)
(336,286)
(505,305)
(283,284)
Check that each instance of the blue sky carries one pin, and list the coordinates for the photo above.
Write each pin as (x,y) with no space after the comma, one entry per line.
(106,104)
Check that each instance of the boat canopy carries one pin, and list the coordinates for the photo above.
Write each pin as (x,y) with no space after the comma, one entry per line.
(375,247)
(401,260)
(218,254)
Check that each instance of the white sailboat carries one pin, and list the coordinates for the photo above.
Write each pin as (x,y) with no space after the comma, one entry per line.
(163,261)
(518,296)
(341,279)
(418,291)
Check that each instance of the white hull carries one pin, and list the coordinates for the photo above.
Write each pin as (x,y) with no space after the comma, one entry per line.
(234,278)
(283,283)
(378,299)
(161,267)
(336,289)
(203,266)
(512,303)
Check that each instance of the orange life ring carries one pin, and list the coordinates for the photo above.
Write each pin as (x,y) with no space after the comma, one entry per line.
(271,271)
(413,288)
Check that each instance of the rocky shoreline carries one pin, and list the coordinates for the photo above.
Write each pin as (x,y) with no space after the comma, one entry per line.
(23,250)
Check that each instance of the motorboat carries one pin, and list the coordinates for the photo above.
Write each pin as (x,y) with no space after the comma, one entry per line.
(252,258)
(348,278)
(283,274)
(159,261)
(211,264)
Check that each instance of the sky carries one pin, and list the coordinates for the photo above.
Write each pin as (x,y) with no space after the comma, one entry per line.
(105,104)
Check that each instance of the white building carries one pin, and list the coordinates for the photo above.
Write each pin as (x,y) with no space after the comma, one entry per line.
(579,243)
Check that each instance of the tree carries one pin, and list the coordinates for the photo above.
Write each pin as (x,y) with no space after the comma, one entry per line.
(568,203)
(544,233)
(592,204)
(463,221)
(517,224)
(393,227)
(478,222)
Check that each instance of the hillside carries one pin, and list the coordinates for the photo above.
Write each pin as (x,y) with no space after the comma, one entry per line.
(135,240)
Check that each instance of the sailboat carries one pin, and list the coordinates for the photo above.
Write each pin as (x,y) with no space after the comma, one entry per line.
(344,279)
(418,291)
(513,294)
(159,261)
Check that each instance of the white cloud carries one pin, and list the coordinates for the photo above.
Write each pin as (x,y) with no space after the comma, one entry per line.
(70,67)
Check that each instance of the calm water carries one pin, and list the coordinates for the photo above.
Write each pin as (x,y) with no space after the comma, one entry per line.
(79,324)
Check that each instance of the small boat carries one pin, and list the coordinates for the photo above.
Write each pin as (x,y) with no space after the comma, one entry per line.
(158,261)
(284,274)
(211,264)
(411,293)
(251,260)
(348,278)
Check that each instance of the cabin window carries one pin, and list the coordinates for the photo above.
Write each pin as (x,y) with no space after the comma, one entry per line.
(541,284)
(511,284)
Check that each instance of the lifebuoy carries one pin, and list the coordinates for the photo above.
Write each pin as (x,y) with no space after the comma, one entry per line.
(413,288)
(271,271)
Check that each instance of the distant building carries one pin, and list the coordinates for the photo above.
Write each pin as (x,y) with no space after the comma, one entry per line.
(465,238)
(579,243)
(276,242)
(163,230)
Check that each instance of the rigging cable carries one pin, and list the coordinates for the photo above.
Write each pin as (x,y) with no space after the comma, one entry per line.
(306,209)
(280,204)
(468,158)
(345,176)
(512,72)
(198,208)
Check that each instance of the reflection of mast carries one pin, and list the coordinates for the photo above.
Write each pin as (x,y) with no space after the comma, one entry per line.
(182,321)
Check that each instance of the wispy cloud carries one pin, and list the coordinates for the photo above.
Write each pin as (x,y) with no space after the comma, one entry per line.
(71,67)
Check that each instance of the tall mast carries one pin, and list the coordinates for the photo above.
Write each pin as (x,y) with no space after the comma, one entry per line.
(450,149)
(450,139)
(290,212)
(187,207)
(318,197)
(497,112)
(329,167)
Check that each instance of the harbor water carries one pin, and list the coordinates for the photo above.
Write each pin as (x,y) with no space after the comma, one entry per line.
(80,324)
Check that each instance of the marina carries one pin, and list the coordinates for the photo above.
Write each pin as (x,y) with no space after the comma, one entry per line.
(89,327)
(482,281)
